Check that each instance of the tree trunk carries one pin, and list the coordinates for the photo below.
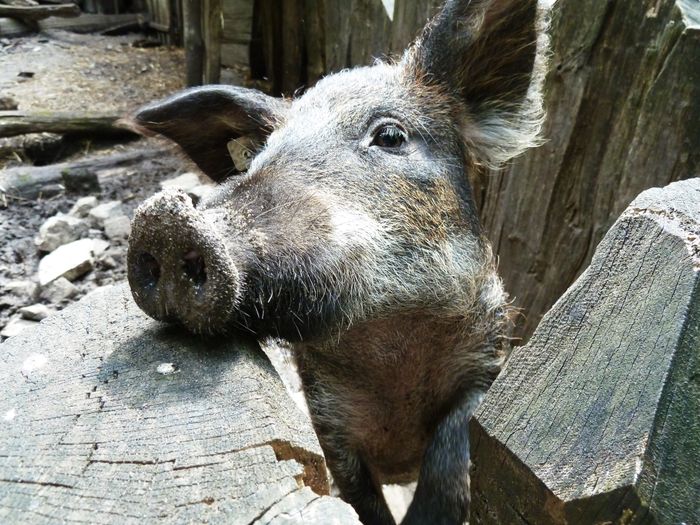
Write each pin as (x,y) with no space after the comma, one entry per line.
(623,102)
(14,123)
(27,181)
(39,12)
(596,420)
(110,417)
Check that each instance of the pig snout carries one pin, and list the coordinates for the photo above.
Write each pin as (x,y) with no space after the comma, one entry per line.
(179,268)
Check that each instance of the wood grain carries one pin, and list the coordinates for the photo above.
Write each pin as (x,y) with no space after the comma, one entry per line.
(596,419)
(623,104)
(108,416)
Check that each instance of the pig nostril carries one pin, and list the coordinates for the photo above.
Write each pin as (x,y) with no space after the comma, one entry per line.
(195,269)
(148,270)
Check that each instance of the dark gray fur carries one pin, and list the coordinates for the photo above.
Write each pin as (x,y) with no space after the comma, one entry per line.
(369,259)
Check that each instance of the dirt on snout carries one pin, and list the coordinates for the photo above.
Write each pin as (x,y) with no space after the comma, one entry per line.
(66,72)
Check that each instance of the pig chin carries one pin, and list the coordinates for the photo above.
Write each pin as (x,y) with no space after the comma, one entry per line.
(277,304)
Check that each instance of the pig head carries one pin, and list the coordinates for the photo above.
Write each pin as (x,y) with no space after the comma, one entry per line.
(344,222)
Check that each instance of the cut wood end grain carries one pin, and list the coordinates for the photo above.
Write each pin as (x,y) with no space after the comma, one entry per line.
(89,416)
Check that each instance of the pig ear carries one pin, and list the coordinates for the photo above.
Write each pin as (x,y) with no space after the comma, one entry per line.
(490,54)
(218,127)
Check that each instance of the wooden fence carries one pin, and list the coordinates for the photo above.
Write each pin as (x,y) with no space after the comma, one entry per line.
(622,97)
(286,44)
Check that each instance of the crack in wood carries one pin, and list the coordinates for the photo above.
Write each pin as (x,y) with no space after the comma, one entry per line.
(41,483)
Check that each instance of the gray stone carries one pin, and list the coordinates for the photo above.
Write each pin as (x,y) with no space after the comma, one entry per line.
(58,290)
(100,213)
(16,326)
(114,172)
(114,257)
(99,401)
(81,180)
(184,182)
(35,312)
(70,260)
(83,205)
(51,190)
(118,227)
(22,288)
(59,230)
(8,103)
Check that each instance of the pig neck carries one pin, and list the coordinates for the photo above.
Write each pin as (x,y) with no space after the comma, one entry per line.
(388,382)
(413,350)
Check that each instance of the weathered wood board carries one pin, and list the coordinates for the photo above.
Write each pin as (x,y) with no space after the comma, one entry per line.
(597,419)
(85,23)
(109,417)
(623,105)
(39,12)
(236,33)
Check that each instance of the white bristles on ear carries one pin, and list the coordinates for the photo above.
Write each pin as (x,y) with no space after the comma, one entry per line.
(496,135)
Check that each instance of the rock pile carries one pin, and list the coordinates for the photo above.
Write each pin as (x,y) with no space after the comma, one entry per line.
(80,250)
(72,245)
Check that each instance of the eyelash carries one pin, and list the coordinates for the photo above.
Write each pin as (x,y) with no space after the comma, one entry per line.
(389,136)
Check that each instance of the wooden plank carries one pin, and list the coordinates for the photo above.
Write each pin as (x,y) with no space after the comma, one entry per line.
(212,30)
(409,18)
(85,23)
(111,417)
(315,40)
(19,2)
(292,46)
(27,181)
(238,21)
(337,16)
(234,55)
(268,19)
(194,48)
(174,22)
(618,122)
(596,419)
(371,32)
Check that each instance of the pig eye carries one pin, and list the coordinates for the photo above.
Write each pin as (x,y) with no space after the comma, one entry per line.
(389,136)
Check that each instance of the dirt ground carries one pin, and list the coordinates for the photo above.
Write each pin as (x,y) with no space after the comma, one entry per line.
(74,72)
(63,71)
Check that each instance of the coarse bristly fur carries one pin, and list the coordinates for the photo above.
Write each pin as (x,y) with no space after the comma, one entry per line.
(354,235)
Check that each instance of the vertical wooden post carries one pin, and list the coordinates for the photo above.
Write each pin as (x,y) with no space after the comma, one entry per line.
(292,41)
(314,27)
(174,23)
(212,26)
(194,50)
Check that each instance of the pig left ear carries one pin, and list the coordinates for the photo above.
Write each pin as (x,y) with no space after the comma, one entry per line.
(490,55)
(218,127)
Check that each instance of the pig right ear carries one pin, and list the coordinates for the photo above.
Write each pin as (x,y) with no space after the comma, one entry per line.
(219,127)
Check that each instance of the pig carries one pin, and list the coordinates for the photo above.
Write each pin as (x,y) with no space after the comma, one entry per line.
(344,222)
